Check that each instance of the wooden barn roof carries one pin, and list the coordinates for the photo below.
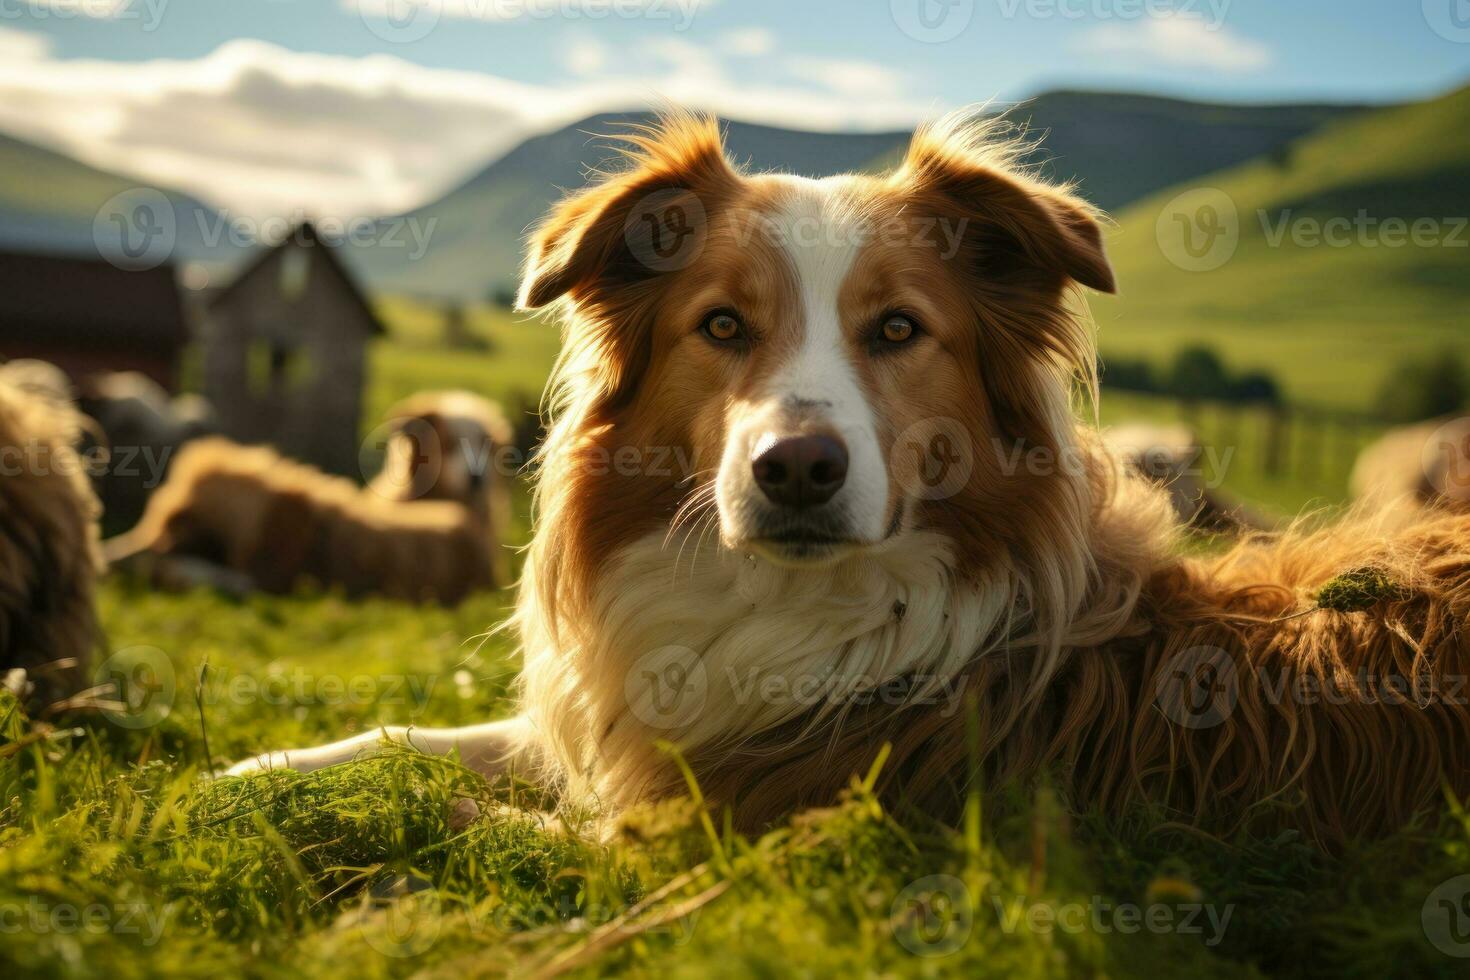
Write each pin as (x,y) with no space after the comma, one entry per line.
(71,299)
(306,236)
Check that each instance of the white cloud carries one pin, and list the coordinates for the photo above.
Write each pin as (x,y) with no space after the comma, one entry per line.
(96,9)
(1176,39)
(22,46)
(859,79)
(585,56)
(749,42)
(264,130)
(680,12)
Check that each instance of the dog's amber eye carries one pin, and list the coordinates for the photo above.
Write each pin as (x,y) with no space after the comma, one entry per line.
(898,330)
(723,327)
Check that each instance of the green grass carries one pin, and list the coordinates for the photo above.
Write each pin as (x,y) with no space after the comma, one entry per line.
(119,859)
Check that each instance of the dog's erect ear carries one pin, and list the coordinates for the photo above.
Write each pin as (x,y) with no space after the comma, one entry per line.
(1014,221)
(646,220)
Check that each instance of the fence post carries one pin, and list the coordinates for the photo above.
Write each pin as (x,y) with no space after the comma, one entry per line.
(1277,441)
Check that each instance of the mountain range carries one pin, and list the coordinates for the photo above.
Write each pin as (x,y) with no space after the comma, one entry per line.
(1119,147)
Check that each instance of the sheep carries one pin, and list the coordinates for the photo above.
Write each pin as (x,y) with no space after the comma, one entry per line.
(242,518)
(1414,467)
(50,556)
(1173,457)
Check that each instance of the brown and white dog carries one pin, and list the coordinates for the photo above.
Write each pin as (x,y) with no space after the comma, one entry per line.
(891,526)
(425,529)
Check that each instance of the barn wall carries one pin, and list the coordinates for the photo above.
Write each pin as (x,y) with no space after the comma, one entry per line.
(311,407)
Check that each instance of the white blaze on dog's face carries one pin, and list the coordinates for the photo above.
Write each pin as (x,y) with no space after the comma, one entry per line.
(795,343)
(803,474)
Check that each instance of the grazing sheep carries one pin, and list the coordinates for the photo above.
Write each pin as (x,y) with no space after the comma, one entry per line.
(49,553)
(141,430)
(242,518)
(1173,457)
(1417,466)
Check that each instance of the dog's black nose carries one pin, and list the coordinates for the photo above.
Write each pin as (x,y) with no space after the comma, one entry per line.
(800,471)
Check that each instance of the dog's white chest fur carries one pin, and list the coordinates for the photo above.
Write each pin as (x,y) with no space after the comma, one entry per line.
(706,651)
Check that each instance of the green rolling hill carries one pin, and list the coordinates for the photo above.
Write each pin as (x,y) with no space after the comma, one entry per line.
(49,202)
(1328,314)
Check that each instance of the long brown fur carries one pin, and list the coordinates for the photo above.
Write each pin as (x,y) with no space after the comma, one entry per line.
(49,553)
(1339,724)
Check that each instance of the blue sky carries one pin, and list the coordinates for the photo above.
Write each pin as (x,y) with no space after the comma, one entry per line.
(270,104)
(1348,49)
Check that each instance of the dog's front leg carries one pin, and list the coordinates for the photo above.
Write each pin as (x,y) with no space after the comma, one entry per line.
(490,749)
